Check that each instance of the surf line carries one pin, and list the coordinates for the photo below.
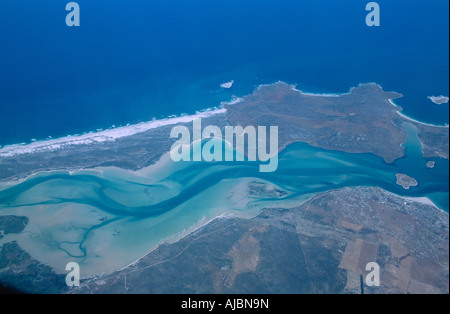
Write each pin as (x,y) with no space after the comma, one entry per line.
(250,139)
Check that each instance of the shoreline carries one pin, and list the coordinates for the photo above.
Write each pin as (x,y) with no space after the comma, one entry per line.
(334,94)
(114,133)
(189,232)
(201,225)
(177,239)
(108,135)
(422,200)
(399,112)
(391,101)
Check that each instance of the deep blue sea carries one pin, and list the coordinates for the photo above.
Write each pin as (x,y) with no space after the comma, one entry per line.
(131,61)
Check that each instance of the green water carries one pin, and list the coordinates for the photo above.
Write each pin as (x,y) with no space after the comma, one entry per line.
(106,218)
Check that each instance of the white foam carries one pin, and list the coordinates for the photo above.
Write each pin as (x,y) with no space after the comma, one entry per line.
(414,120)
(294,88)
(390,101)
(101,136)
(234,101)
(315,95)
(321,95)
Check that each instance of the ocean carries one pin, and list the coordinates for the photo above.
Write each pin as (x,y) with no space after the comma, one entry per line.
(134,61)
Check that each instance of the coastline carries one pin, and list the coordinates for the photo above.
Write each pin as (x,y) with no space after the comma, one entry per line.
(101,136)
(115,133)
(193,229)
(391,101)
(133,267)
(422,200)
(334,94)
(176,239)
(399,112)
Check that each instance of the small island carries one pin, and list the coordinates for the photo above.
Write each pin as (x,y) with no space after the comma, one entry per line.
(227,85)
(439,100)
(431,164)
(406,181)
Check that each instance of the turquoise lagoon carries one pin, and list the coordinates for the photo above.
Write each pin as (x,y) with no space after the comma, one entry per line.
(107,218)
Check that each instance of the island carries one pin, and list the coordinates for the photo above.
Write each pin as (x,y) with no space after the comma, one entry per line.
(439,100)
(227,85)
(406,181)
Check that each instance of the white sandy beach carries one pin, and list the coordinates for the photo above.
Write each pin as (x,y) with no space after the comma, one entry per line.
(101,136)
(421,200)
(414,120)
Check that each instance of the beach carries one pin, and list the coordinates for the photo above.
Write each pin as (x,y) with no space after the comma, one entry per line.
(101,136)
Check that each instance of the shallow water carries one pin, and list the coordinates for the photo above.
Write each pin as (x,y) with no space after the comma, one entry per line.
(107,218)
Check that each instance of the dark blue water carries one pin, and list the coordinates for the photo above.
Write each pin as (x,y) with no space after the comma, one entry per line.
(131,61)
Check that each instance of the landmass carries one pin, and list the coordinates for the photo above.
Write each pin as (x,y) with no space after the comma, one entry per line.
(434,140)
(362,121)
(431,164)
(406,181)
(439,100)
(12,224)
(227,85)
(320,246)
